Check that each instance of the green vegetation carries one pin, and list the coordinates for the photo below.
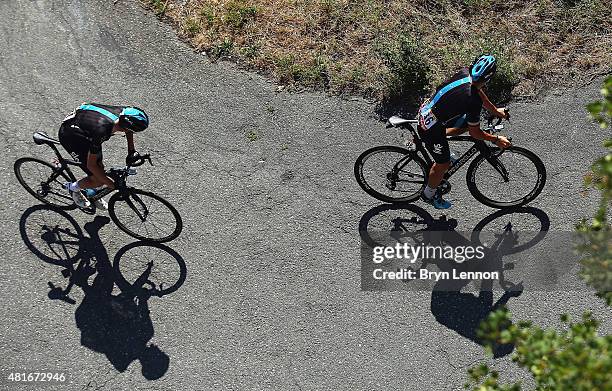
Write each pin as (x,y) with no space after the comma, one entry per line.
(192,26)
(408,72)
(577,357)
(158,6)
(597,264)
(238,13)
(401,49)
(251,135)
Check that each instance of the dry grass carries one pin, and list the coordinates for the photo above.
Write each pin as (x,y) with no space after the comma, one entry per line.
(388,49)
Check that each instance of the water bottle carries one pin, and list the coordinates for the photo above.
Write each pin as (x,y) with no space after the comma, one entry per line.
(454,157)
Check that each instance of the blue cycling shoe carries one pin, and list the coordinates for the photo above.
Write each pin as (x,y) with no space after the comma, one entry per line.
(437,201)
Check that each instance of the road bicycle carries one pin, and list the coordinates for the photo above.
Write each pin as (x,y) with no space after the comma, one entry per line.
(141,214)
(496,177)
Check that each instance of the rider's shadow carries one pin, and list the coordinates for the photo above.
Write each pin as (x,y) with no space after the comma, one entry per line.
(463,312)
(452,305)
(118,326)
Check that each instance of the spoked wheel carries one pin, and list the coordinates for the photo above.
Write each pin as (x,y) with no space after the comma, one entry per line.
(391,174)
(145,216)
(506,179)
(151,267)
(44,182)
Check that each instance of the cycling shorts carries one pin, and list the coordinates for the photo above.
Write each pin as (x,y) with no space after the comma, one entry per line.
(436,143)
(76,145)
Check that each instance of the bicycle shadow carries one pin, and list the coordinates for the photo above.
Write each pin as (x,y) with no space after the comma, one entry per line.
(116,325)
(459,310)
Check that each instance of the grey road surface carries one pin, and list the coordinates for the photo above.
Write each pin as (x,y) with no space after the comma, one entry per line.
(264,182)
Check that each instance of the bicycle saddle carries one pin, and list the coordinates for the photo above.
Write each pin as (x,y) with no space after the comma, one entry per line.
(396,121)
(43,138)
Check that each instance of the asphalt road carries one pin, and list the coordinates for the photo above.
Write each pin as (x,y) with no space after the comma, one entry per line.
(264,182)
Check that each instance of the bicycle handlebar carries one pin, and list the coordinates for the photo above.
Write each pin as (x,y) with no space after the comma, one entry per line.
(118,174)
(140,160)
(499,120)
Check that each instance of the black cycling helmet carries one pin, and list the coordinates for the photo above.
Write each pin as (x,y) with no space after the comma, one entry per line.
(134,119)
(483,68)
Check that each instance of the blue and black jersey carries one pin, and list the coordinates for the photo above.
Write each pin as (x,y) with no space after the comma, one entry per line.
(92,123)
(86,128)
(454,102)
(457,97)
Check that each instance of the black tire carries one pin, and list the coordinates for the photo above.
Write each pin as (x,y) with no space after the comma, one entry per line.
(417,168)
(533,189)
(52,194)
(167,272)
(173,225)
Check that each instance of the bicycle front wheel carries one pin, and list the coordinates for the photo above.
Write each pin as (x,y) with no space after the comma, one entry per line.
(145,216)
(45,182)
(506,179)
(391,174)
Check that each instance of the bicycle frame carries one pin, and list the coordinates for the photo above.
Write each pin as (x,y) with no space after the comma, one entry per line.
(120,180)
(478,146)
(64,163)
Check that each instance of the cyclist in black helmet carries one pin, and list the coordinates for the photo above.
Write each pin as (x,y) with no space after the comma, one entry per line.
(82,134)
(454,109)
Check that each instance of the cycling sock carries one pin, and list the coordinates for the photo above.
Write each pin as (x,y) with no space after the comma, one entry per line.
(429,192)
(74,186)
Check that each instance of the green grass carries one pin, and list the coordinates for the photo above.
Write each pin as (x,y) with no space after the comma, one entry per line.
(159,6)
(408,69)
(192,26)
(238,13)
(222,49)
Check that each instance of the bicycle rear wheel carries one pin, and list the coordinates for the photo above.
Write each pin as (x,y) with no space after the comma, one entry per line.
(145,216)
(509,178)
(45,182)
(378,173)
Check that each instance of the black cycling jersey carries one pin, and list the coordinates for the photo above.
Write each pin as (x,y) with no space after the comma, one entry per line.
(91,125)
(454,102)
(85,129)
(457,101)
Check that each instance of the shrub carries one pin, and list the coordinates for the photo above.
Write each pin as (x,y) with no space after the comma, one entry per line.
(238,13)
(408,75)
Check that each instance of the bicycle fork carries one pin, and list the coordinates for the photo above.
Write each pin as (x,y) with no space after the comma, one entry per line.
(498,165)
(145,211)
